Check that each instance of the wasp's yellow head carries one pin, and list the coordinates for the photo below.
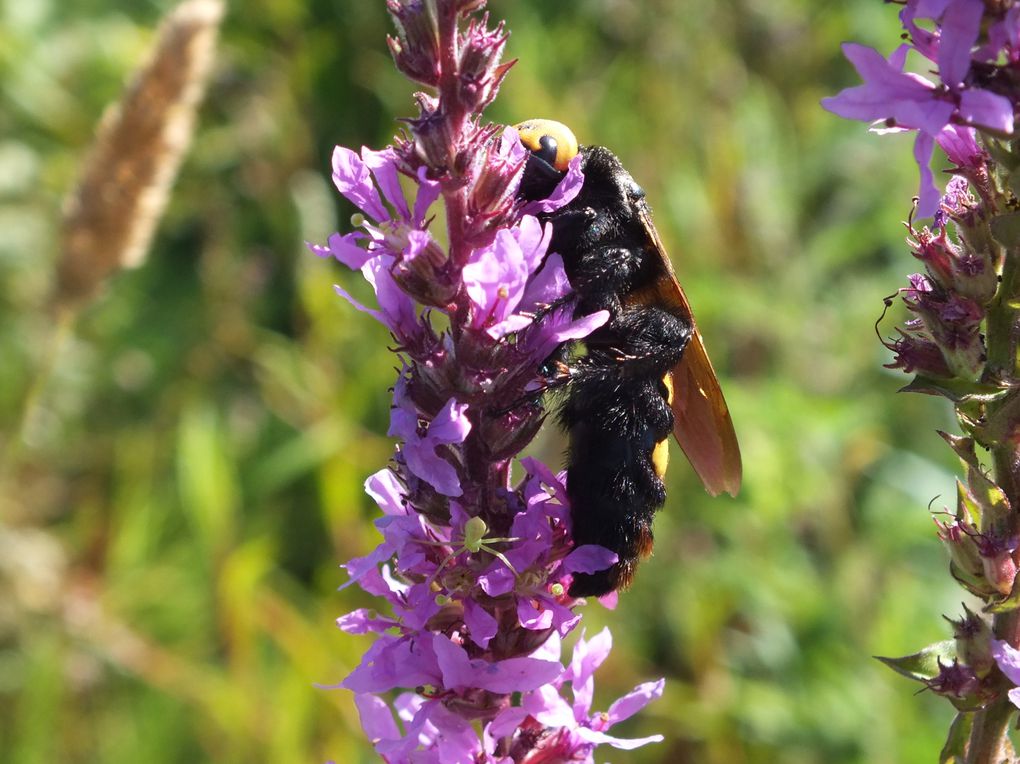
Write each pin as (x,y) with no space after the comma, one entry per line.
(550,141)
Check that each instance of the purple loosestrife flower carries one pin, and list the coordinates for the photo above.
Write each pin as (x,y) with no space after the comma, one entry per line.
(899,100)
(472,569)
(569,731)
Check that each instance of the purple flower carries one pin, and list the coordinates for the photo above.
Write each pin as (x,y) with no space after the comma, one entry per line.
(353,177)
(571,731)
(563,194)
(901,100)
(422,441)
(496,276)
(1008,660)
(396,242)
(432,733)
(889,94)
(961,146)
(497,175)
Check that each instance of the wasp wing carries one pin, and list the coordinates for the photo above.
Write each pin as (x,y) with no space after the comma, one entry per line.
(702,424)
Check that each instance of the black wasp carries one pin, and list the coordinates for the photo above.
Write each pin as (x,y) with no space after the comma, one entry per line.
(646,372)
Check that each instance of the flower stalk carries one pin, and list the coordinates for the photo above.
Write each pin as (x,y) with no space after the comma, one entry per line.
(963,337)
(473,569)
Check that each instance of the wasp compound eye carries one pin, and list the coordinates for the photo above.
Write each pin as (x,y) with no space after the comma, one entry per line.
(552,142)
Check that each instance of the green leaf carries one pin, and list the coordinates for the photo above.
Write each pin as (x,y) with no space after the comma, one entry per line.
(955,749)
(924,665)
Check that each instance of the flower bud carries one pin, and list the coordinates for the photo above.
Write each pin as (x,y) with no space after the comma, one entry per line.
(421,272)
(967,267)
(508,434)
(966,561)
(956,682)
(914,352)
(953,321)
(974,642)
(480,72)
(415,49)
(496,176)
(433,138)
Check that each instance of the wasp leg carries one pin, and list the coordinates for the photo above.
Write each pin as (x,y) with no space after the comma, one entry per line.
(600,276)
(642,341)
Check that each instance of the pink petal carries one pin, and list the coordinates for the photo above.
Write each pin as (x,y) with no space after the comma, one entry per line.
(363,621)
(564,193)
(376,718)
(345,249)
(589,558)
(635,700)
(481,625)
(589,655)
(979,107)
(506,721)
(960,25)
(451,424)
(1008,658)
(928,195)
(387,492)
(532,617)
(384,167)
(624,744)
(354,180)
(428,192)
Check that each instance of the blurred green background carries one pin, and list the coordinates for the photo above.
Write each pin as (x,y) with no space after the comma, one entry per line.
(173,523)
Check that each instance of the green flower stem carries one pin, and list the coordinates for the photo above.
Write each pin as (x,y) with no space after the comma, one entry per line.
(989,741)
(1003,313)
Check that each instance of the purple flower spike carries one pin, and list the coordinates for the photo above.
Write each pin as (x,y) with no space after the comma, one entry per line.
(472,573)
(962,337)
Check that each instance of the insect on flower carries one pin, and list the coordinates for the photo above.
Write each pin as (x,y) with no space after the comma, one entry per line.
(475,541)
(646,372)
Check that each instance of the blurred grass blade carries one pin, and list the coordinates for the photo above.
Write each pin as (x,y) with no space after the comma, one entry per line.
(206,479)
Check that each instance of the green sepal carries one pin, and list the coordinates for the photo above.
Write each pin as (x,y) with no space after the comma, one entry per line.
(976,585)
(956,389)
(1013,182)
(962,445)
(1005,603)
(995,508)
(1001,154)
(1006,227)
(968,510)
(955,749)
(924,665)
